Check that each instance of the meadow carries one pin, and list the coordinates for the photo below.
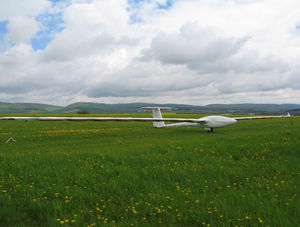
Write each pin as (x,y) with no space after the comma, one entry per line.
(130,174)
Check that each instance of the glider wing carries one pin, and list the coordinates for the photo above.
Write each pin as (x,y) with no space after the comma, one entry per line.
(103,119)
(262,117)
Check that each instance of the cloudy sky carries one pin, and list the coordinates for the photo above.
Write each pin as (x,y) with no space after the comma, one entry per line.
(165,51)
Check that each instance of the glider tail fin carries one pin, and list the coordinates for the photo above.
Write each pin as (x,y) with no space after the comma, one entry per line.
(156,113)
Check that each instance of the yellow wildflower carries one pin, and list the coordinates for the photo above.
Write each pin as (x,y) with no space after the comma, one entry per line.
(260,220)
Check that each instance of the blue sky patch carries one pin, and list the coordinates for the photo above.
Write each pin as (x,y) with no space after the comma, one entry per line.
(51,25)
(40,43)
(134,6)
(134,19)
(136,3)
(58,1)
(166,6)
(3,29)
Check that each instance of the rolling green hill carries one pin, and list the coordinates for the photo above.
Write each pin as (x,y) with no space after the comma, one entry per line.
(27,108)
(101,108)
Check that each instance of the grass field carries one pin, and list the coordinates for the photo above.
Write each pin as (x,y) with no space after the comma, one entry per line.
(130,174)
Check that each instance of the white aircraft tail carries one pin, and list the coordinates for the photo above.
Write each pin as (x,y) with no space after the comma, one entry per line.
(157,114)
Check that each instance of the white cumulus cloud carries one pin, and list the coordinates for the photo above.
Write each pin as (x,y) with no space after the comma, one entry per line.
(21,29)
(195,52)
(24,8)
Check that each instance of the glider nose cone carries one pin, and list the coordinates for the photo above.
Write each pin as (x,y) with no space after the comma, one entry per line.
(230,121)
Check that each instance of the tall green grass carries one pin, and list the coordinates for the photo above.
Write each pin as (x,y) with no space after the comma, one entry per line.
(130,174)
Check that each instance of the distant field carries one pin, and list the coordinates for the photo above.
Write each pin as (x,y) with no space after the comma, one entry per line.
(130,174)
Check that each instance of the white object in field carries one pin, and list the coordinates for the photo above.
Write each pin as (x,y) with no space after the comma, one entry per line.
(209,122)
(11,139)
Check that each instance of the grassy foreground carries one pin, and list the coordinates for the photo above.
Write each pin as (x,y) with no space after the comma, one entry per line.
(129,174)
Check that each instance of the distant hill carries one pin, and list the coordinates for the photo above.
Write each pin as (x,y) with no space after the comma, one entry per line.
(27,108)
(102,108)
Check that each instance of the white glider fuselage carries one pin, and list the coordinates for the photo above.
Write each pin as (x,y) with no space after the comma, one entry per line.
(218,121)
(208,122)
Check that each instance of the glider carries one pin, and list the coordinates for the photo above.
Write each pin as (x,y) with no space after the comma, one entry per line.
(208,122)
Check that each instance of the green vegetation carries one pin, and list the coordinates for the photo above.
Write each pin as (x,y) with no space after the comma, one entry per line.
(130,174)
(102,108)
(27,108)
